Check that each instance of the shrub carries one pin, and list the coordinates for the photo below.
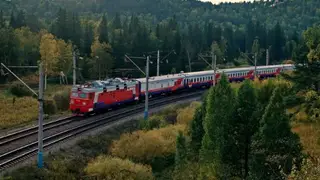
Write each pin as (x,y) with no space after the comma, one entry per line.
(185,115)
(112,168)
(62,99)
(292,100)
(49,106)
(155,121)
(19,90)
(143,146)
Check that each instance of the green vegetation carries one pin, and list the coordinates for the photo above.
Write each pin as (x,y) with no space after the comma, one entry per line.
(102,32)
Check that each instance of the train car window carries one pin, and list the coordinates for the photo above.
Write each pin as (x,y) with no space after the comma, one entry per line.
(83,95)
(74,94)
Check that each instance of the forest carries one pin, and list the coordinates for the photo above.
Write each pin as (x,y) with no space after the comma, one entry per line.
(102,32)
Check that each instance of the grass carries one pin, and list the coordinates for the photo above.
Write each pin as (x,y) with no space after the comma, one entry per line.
(15,112)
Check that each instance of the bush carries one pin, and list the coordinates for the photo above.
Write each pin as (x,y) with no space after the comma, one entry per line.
(112,168)
(49,106)
(62,99)
(153,122)
(144,146)
(19,90)
(292,100)
(185,115)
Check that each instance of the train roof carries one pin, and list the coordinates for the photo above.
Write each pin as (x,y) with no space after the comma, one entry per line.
(163,77)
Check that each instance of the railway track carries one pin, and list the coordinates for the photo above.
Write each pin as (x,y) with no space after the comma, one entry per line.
(23,144)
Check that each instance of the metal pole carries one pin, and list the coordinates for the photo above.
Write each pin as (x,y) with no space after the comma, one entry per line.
(134,64)
(74,68)
(255,65)
(267,57)
(190,70)
(146,113)
(19,79)
(158,64)
(214,70)
(40,126)
(212,54)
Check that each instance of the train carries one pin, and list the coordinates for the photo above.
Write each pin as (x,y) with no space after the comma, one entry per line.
(100,95)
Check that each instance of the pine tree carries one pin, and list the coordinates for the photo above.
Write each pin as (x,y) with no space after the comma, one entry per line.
(196,130)
(87,39)
(117,21)
(307,61)
(103,30)
(181,150)
(76,30)
(61,27)
(2,21)
(275,149)
(20,20)
(218,152)
(246,124)
(13,23)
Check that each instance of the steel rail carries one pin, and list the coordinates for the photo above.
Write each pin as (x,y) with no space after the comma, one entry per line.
(15,136)
(34,130)
(19,154)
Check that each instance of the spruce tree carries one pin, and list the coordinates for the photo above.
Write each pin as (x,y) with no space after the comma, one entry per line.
(103,30)
(246,124)
(76,30)
(13,23)
(275,149)
(218,152)
(2,21)
(181,150)
(196,130)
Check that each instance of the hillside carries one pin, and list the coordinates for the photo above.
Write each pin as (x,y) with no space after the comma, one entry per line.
(293,15)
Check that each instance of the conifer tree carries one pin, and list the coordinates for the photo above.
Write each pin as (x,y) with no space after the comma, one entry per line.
(76,30)
(196,129)
(275,149)
(2,21)
(181,150)
(218,152)
(13,20)
(246,124)
(20,20)
(103,30)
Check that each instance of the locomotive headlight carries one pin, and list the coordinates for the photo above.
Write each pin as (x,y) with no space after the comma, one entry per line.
(84,103)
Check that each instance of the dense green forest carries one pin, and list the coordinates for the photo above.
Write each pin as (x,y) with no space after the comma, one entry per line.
(103,31)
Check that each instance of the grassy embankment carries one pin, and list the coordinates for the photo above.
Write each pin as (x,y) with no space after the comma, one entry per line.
(97,154)
(18,111)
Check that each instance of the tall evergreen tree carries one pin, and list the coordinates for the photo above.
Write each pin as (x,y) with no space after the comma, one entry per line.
(277,39)
(218,153)
(61,27)
(13,23)
(246,124)
(103,30)
(117,21)
(2,21)
(20,20)
(307,61)
(181,150)
(275,149)
(76,30)
(87,39)
(196,129)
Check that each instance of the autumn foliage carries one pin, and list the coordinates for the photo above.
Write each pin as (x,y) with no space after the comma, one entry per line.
(143,146)
(113,168)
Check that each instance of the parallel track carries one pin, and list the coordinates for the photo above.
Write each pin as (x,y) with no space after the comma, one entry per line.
(22,152)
